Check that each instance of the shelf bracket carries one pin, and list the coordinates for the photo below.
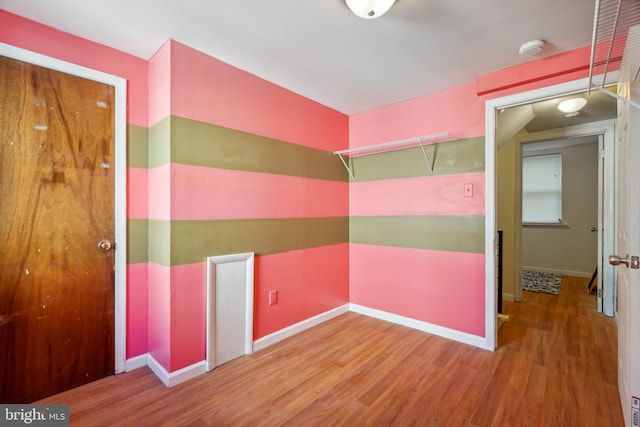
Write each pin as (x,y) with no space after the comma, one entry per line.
(346,166)
(426,158)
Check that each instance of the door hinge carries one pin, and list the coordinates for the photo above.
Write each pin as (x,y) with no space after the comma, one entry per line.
(601,154)
(600,293)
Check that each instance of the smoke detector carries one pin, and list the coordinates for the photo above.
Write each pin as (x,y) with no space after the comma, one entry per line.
(531,48)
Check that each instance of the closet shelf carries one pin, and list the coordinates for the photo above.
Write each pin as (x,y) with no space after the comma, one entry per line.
(392,146)
(612,21)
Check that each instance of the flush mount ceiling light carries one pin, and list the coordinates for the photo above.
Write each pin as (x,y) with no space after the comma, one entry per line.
(571,107)
(369,9)
(531,48)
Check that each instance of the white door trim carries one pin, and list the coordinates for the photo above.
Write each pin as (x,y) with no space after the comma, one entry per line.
(492,107)
(120,134)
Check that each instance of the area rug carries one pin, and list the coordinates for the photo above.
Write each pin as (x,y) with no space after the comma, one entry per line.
(536,281)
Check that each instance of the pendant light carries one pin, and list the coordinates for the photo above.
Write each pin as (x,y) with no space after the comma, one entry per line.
(369,9)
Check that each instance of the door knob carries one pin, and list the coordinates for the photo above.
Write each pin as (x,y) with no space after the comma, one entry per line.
(617,260)
(104,245)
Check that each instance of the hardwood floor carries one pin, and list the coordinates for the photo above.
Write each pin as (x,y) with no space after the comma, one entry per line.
(556,366)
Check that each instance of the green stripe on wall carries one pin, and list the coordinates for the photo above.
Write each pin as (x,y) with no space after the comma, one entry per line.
(160,143)
(137,146)
(203,144)
(137,241)
(160,241)
(441,233)
(194,241)
(447,158)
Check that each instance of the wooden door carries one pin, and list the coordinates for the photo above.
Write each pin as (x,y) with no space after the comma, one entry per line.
(56,205)
(628,233)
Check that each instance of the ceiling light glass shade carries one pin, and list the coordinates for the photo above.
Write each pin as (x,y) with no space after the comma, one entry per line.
(572,105)
(369,9)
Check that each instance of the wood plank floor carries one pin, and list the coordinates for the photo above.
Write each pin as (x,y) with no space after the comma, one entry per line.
(556,366)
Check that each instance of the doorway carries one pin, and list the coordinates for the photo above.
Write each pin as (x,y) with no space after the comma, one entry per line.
(585,232)
(62,281)
(493,108)
(559,193)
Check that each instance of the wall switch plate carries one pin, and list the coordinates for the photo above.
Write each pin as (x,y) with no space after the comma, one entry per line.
(468,190)
(273,297)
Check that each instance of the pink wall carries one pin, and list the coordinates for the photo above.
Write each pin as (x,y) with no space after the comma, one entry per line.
(188,315)
(456,110)
(137,191)
(159,197)
(26,34)
(243,101)
(137,309)
(160,326)
(460,110)
(160,85)
(544,72)
(322,273)
(310,280)
(436,195)
(211,193)
(439,287)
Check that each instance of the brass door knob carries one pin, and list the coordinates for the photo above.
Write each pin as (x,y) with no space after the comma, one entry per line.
(105,245)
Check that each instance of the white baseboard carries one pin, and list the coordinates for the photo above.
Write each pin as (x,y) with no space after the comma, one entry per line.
(290,331)
(136,362)
(171,379)
(508,297)
(556,271)
(430,328)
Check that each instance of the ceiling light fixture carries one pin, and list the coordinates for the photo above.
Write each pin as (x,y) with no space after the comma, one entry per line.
(531,48)
(369,9)
(571,107)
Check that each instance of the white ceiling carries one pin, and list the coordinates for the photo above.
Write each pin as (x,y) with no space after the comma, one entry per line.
(318,49)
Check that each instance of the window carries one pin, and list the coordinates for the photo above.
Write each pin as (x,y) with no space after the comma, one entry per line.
(542,189)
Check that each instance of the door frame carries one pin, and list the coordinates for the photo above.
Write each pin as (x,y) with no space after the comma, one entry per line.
(120,171)
(492,109)
(605,131)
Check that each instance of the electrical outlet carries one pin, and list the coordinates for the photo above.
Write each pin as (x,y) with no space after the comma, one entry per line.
(273,297)
(468,190)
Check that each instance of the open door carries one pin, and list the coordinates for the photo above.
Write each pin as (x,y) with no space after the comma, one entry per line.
(606,277)
(628,233)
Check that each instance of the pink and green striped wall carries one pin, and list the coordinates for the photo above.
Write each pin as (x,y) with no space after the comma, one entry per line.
(220,161)
(417,243)
(237,164)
